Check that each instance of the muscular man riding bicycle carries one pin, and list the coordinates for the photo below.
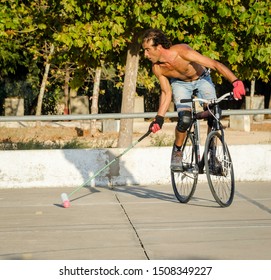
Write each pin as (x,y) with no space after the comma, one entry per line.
(180,70)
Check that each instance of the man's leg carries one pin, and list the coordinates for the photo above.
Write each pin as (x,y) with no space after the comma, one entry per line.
(181,90)
(179,137)
(184,121)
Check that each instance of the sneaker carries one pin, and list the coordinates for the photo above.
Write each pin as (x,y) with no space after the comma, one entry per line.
(176,161)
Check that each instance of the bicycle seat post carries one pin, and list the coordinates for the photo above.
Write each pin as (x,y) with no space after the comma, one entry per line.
(194,94)
(217,113)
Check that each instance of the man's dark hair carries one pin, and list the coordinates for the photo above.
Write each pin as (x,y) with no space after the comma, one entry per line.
(158,38)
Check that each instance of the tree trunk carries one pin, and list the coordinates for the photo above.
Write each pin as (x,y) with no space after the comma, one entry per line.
(94,99)
(252,91)
(66,90)
(44,80)
(269,107)
(128,95)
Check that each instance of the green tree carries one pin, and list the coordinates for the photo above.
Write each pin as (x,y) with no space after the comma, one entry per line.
(27,28)
(84,33)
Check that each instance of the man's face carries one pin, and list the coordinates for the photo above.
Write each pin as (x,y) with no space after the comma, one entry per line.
(151,52)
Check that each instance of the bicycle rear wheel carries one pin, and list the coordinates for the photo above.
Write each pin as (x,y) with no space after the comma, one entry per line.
(184,183)
(219,169)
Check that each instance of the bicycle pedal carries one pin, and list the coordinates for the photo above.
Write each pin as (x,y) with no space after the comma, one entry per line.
(177,169)
(185,165)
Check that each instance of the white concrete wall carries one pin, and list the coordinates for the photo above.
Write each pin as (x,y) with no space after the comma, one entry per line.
(144,166)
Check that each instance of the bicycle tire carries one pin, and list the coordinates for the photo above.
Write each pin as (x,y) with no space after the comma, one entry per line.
(219,169)
(184,182)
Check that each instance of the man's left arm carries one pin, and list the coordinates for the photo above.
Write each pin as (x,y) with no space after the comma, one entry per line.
(238,86)
(194,56)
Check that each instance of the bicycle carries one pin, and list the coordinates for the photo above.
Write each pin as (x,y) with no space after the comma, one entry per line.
(215,161)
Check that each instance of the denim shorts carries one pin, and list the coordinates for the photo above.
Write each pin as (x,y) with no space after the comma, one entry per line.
(184,90)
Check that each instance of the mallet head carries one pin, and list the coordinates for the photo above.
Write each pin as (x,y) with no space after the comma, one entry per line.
(65,200)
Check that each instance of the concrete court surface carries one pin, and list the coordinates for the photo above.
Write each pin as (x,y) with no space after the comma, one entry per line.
(136,222)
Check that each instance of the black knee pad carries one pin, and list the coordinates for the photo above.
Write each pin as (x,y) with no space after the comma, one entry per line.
(184,120)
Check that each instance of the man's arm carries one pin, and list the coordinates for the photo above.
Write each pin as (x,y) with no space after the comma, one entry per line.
(165,99)
(165,96)
(191,55)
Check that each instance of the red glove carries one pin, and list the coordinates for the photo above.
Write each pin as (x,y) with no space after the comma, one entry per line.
(156,124)
(238,89)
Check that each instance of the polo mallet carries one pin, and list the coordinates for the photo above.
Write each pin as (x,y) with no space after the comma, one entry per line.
(66,197)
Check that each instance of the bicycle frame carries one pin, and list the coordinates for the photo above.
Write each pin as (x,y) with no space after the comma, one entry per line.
(194,130)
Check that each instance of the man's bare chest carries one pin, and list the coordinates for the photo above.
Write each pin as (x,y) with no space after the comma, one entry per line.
(176,69)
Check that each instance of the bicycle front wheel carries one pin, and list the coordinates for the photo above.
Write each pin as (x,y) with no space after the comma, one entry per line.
(219,169)
(184,182)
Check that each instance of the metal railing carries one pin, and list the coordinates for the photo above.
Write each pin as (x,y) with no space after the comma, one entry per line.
(118,116)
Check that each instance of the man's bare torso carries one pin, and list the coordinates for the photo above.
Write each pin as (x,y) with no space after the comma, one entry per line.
(175,66)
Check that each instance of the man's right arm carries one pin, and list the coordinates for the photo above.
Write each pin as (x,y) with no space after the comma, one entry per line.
(166,91)
(165,99)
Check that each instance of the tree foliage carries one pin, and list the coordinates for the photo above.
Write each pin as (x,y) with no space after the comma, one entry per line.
(84,33)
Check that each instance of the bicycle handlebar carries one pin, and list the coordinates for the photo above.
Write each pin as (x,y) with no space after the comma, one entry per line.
(208,101)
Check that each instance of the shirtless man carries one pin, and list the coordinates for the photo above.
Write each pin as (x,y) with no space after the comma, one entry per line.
(180,70)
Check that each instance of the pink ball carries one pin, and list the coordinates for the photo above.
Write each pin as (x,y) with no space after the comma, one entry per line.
(66,204)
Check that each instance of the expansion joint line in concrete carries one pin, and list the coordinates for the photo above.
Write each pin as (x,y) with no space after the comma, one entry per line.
(133,227)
